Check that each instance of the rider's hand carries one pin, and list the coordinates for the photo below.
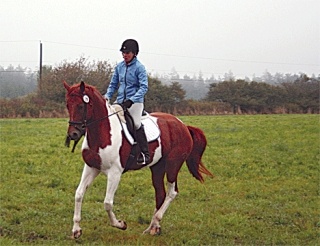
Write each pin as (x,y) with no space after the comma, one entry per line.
(127,103)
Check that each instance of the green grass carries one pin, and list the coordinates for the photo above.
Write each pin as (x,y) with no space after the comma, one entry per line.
(265,190)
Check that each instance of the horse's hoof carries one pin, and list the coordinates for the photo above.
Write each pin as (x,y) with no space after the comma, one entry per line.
(124,226)
(77,234)
(155,231)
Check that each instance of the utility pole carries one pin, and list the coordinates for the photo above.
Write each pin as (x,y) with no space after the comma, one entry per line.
(40,60)
(40,68)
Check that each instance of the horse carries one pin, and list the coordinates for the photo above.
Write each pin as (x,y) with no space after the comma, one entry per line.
(106,150)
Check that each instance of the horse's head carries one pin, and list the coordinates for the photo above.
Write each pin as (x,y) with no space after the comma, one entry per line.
(79,99)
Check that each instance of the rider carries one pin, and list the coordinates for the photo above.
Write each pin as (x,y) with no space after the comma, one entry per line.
(131,80)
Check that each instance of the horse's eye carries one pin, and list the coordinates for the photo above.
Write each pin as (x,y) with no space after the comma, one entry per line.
(80,107)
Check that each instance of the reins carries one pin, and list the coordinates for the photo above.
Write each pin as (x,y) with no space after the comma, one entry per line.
(84,123)
(107,116)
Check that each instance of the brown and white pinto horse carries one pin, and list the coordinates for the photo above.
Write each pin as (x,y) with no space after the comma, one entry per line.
(106,150)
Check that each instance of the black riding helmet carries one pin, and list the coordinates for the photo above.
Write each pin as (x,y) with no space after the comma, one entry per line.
(130,45)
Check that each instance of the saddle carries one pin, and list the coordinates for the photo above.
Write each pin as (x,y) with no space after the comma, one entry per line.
(150,126)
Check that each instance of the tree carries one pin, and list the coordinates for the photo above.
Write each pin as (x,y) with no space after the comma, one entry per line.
(16,82)
(186,77)
(229,76)
(174,74)
(163,97)
(156,95)
(176,92)
(258,97)
(303,92)
(200,77)
(95,73)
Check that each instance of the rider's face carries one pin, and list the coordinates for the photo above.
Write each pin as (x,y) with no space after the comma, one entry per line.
(127,56)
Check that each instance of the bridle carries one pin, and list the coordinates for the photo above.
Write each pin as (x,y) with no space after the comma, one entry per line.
(82,125)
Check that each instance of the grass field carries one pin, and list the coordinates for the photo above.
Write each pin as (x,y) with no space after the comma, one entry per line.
(265,190)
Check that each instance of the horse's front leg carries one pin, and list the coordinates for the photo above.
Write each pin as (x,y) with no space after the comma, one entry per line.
(88,175)
(114,177)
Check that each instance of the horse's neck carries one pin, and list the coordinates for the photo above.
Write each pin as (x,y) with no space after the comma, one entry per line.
(98,133)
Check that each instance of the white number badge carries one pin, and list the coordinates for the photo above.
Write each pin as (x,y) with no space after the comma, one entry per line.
(86,99)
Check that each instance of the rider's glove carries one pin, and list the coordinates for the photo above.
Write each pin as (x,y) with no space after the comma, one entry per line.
(127,103)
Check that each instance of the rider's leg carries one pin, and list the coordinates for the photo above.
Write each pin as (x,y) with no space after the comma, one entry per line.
(144,158)
(136,111)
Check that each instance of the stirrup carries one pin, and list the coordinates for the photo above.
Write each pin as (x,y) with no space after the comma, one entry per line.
(144,159)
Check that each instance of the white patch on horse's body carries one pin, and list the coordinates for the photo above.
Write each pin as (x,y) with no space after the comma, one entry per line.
(85,143)
(110,155)
(157,153)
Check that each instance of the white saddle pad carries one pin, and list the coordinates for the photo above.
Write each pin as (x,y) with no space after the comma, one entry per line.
(150,127)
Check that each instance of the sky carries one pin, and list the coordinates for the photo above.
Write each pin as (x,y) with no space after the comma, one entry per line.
(214,37)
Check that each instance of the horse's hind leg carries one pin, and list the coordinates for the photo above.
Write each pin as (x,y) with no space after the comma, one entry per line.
(88,175)
(154,227)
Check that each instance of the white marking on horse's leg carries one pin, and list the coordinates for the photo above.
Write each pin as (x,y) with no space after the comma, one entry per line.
(88,175)
(152,224)
(154,227)
(171,194)
(112,185)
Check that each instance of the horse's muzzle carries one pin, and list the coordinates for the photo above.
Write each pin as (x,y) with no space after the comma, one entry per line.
(75,135)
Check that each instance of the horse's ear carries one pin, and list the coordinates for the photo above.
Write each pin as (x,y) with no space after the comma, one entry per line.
(66,85)
(82,87)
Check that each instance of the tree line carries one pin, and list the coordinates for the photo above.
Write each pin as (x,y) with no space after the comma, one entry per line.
(300,96)
(223,97)
(16,82)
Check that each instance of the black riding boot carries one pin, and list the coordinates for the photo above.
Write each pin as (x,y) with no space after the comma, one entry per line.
(144,157)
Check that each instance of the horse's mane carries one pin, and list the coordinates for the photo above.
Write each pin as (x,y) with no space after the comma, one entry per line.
(90,90)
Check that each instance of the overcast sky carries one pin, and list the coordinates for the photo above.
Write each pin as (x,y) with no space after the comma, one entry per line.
(215,36)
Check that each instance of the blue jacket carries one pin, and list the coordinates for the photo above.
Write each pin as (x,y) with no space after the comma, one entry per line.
(132,80)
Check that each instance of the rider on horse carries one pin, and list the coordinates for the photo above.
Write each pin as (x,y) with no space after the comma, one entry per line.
(131,80)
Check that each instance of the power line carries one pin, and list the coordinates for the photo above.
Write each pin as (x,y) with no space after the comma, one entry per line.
(173,55)
(232,60)
(191,57)
(12,71)
(18,61)
(18,41)
(154,70)
(79,45)
(161,54)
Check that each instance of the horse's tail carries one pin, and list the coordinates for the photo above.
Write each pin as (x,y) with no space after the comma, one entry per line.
(194,163)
